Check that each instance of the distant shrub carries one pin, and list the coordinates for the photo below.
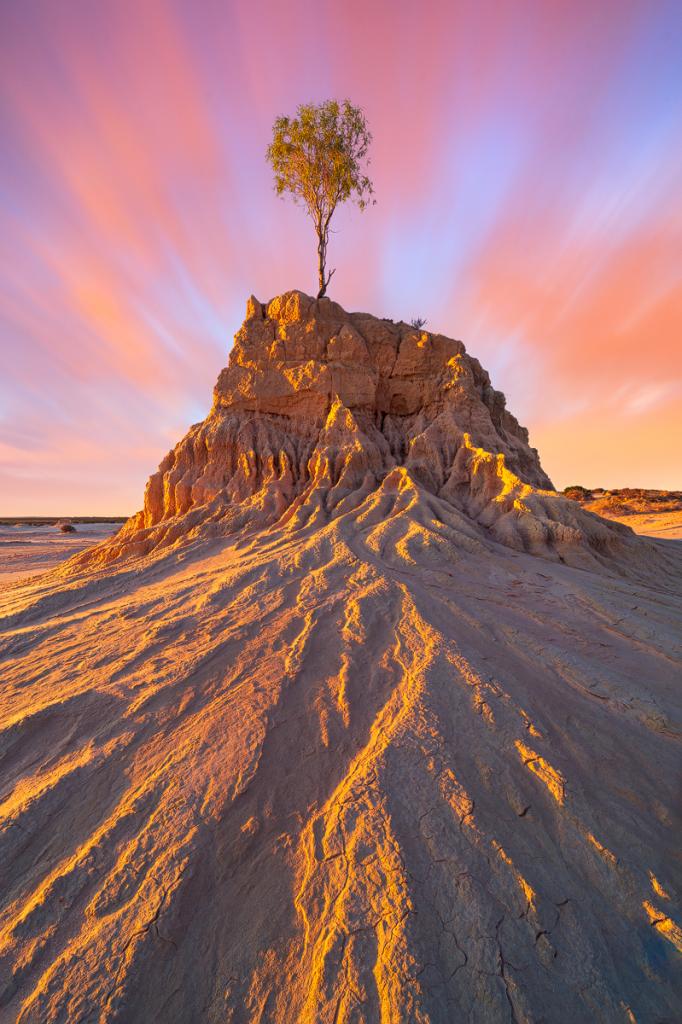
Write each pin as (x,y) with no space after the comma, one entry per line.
(66,527)
(418,322)
(577,493)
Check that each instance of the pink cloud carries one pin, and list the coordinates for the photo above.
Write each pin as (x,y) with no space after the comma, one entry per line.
(528,195)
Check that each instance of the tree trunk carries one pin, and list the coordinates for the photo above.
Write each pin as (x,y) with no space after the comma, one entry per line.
(321,260)
(324,278)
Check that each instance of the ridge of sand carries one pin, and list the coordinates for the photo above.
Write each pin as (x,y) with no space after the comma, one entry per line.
(347,752)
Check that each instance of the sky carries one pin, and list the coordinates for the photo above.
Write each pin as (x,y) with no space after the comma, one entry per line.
(527,164)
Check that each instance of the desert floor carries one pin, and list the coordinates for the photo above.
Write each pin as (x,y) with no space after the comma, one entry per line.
(393,768)
(26,550)
(663,525)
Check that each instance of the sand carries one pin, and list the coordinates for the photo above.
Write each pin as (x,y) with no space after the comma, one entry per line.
(296,777)
(664,525)
(26,550)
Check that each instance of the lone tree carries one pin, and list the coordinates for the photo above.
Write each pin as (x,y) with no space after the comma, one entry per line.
(318,157)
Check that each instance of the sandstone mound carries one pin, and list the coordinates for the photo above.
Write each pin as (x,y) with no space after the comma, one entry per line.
(317,738)
(321,410)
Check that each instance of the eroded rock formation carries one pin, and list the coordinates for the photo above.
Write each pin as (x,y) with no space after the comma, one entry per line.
(320,408)
(318,739)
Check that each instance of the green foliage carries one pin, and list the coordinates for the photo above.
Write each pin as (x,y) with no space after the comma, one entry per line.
(317,157)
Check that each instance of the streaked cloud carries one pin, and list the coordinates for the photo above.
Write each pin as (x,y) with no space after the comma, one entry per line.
(528,167)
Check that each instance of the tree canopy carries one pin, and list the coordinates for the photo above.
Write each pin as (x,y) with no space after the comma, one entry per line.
(318,157)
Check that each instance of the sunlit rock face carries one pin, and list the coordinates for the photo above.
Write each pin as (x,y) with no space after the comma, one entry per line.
(357,722)
(319,409)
